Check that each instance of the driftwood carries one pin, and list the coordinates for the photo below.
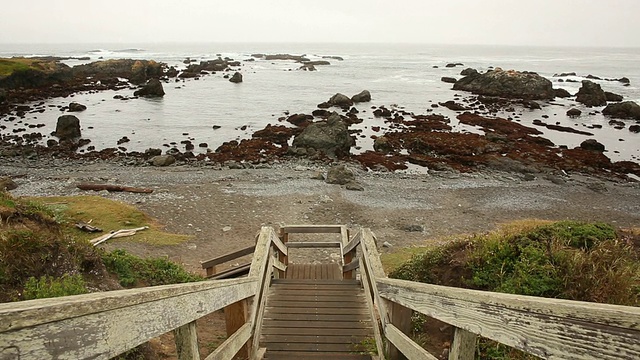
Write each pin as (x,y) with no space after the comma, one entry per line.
(116,234)
(86,227)
(100,187)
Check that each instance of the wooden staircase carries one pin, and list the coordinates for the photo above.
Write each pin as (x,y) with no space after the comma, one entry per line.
(314,314)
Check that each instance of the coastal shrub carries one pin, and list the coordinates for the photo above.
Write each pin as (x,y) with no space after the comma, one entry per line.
(135,271)
(566,259)
(48,287)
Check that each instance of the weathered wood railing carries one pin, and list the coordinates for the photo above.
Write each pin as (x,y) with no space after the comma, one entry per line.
(548,328)
(104,325)
(210,266)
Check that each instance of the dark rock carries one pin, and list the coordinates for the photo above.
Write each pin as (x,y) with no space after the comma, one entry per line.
(74,107)
(298,58)
(363,96)
(51,143)
(307,67)
(151,152)
(6,183)
(203,145)
(565,74)
(172,72)
(593,77)
(317,63)
(354,186)
(340,175)
(592,145)
(448,80)
(236,78)
(216,127)
(339,58)
(3,95)
(613,97)
(320,113)
(508,84)
(561,93)
(413,228)
(163,160)
(67,127)
(382,112)
(574,112)
(452,65)
(624,80)
(301,120)
(382,144)
(623,110)
(469,71)
(452,105)
(634,128)
(123,140)
(153,88)
(330,137)
(591,94)
(340,100)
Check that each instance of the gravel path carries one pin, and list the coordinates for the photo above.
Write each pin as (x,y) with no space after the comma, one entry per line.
(403,209)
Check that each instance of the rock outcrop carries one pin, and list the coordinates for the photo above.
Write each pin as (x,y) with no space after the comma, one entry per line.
(592,145)
(68,127)
(153,88)
(340,100)
(236,78)
(613,97)
(330,137)
(163,160)
(363,96)
(508,84)
(340,175)
(591,94)
(623,110)
(76,107)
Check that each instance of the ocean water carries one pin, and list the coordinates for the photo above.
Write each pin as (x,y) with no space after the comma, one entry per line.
(402,75)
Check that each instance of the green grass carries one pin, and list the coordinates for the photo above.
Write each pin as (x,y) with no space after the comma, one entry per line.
(9,66)
(108,215)
(135,271)
(567,259)
(48,287)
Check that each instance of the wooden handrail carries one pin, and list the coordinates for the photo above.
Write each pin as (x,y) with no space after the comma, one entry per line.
(99,325)
(549,328)
(312,229)
(227,257)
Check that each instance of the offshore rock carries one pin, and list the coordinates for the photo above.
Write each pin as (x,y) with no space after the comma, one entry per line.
(623,110)
(340,100)
(330,137)
(592,145)
(68,127)
(591,94)
(75,107)
(508,84)
(153,88)
(363,96)
(236,78)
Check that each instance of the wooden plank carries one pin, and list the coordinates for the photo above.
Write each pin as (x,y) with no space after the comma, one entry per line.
(351,266)
(261,253)
(344,235)
(314,304)
(17,315)
(319,332)
(375,271)
(236,316)
(230,347)
(227,257)
(463,346)
(278,265)
(260,308)
(101,325)
(186,338)
(284,282)
(373,315)
(351,245)
(337,292)
(348,348)
(230,273)
(306,310)
(312,229)
(313,298)
(314,339)
(400,318)
(317,324)
(548,328)
(282,248)
(313,245)
(298,355)
(408,347)
(316,317)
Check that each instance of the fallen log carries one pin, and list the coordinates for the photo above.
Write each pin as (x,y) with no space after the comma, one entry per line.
(86,227)
(116,234)
(110,188)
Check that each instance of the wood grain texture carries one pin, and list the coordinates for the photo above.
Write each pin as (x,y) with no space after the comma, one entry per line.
(227,257)
(548,328)
(463,346)
(408,347)
(101,326)
(186,338)
(312,229)
(236,316)
(230,347)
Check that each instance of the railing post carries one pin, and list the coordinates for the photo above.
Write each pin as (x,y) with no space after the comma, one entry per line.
(186,338)
(463,346)
(282,257)
(236,315)
(400,317)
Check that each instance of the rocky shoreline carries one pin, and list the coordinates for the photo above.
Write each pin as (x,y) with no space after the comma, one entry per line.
(401,139)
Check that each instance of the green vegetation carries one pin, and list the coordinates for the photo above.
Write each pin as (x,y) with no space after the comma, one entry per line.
(567,259)
(48,287)
(132,270)
(42,254)
(108,215)
(366,347)
(9,66)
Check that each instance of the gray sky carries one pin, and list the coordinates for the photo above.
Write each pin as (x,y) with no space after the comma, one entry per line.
(541,22)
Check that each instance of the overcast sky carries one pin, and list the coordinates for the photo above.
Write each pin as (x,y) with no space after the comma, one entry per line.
(506,22)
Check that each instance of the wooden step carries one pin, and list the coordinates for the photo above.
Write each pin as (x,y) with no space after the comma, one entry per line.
(299,355)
